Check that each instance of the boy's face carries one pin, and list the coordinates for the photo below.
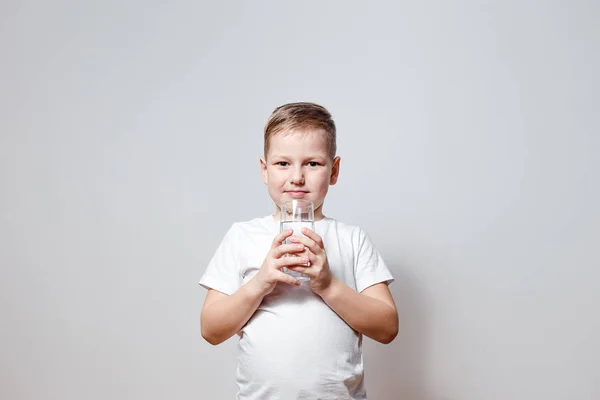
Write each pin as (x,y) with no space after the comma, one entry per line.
(298,166)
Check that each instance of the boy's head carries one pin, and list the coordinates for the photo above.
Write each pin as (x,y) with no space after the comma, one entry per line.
(301,117)
(299,159)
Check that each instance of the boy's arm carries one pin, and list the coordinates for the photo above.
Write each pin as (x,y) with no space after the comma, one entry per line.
(371,312)
(224,315)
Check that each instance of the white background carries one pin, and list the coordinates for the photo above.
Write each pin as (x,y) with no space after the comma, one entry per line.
(130,133)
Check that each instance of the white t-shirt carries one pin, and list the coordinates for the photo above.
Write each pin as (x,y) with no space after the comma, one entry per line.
(295,346)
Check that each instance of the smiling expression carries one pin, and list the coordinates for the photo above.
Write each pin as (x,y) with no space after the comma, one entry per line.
(298,166)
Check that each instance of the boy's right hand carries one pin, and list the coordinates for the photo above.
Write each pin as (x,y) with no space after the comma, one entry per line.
(270,272)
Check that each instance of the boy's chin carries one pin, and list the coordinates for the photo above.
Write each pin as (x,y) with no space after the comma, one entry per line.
(307,197)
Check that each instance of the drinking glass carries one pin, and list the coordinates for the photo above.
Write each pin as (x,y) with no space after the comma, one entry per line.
(296,214)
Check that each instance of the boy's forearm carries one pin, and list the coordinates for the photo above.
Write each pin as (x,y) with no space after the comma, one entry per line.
(225,317)
(367,315)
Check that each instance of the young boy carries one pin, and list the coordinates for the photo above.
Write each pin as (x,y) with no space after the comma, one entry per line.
(298,340)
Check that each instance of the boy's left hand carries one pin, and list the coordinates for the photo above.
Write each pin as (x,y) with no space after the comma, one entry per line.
(318,270)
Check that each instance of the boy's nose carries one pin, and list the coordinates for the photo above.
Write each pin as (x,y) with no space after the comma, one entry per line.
(297,177)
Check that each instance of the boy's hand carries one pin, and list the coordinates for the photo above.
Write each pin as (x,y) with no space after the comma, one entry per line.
(318,269)
(270,271)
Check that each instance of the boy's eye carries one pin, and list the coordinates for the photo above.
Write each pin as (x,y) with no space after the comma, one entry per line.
(313,163)
(282,163)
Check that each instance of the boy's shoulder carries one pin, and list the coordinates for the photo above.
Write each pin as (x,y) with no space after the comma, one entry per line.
(265,223)
(344,229)
(341,224)
(266,220)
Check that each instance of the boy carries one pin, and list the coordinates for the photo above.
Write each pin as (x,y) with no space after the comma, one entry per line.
(298,341)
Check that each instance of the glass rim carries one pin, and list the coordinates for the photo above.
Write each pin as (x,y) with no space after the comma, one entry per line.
(281,203)
(296,210)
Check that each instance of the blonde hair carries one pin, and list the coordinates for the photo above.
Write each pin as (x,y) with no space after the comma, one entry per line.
(301,117)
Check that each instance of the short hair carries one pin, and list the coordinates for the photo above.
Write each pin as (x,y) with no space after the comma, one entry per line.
(301,116)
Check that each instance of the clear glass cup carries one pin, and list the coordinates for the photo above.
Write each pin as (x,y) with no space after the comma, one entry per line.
(296,214)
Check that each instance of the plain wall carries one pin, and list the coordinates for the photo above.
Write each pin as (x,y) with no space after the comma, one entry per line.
(130,134)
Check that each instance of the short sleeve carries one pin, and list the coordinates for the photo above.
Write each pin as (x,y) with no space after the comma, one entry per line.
(370,268)
(222,272)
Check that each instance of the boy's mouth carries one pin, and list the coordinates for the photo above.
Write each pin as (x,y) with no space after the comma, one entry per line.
(296,193)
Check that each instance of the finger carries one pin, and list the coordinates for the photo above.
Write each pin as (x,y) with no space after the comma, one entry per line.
(311,260)
(281,237)
(305,260)
(285,278)
(299,268)
(308,242)
(313,235)
(303,270)
(288,248)
(291,261)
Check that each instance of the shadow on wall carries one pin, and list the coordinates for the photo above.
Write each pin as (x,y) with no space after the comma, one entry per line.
(398,371)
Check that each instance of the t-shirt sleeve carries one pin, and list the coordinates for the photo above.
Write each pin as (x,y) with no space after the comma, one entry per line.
(370,267)
(222,272)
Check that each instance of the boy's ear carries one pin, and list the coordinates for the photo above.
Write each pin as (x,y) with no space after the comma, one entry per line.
(335,171)
(263,170)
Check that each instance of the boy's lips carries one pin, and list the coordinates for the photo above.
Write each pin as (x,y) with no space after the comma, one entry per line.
(296,193)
